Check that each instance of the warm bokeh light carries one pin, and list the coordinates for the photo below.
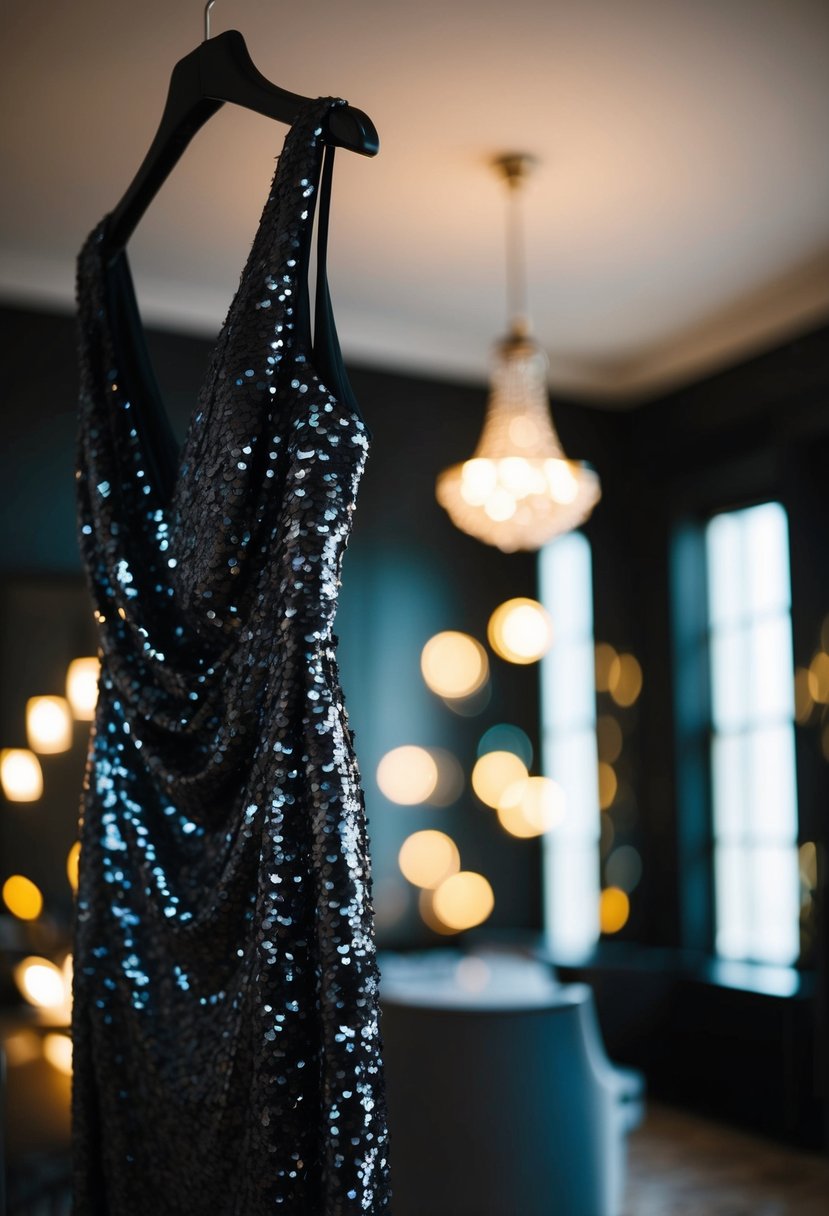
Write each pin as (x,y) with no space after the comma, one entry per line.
(623,868)
(520,631)
(605,656)
(41,982)
(609,738)
(804,701)
(425,906)
(531,807)
(463,900)
(819,684)
(499,485)
(614,910)
(57,1049)
(48,725)
(426,858)
(22,897)
(20,774)
(625,679)
(454,665)
(73,858)
(608,785)
(494,773)
(82,687)
(506,738)
(407,775)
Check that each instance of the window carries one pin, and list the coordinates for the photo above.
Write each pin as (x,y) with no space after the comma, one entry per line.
(753,789)
(568,716)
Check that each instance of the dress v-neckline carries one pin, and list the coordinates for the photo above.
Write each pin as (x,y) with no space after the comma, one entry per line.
(128,335)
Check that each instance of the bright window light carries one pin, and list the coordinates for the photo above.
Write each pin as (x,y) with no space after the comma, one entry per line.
(569,754)
(754,791)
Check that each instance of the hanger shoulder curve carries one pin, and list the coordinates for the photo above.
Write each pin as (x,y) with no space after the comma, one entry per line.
(218,71)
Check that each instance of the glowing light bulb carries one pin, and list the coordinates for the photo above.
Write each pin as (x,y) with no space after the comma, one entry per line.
(625,680)
(614,910)
(22,897)
(40,982)
(500,505)
(564,486)
(520,631)
(427,858)
(82,687)
(454,665)
(608,784)
(478,480)
(516,476)
(57,1049)
(48,724)
(494,773)
(20,774)
(73,858)
(407,775)
(463,900)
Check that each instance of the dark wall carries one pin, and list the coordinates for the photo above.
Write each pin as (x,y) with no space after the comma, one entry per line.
(755,431)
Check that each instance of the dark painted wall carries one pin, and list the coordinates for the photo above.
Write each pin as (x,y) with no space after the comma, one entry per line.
(757,430)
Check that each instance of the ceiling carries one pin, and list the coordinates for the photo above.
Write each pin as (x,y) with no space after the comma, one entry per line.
(679,219)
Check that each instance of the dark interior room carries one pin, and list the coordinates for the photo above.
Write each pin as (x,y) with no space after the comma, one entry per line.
(455,680)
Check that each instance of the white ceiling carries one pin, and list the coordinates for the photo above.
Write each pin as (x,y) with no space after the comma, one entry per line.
(680,217)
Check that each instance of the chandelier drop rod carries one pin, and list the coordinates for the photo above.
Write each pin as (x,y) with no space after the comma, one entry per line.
(515,168)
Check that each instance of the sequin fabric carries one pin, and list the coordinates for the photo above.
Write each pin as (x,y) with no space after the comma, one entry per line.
(227,1047)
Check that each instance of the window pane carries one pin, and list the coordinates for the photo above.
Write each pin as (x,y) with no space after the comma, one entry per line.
(568,684)
(731,890)
(730,762)
(725,570)
(772,805)
(571,897)
(567,586)
(754,791)
(772,669)
(570,759)
(568,713)
(774,932)
(730,678)
(767,558)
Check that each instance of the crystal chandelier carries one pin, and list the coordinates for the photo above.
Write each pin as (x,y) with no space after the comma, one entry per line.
(519,490)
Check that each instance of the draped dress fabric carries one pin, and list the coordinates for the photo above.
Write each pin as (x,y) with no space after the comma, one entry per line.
(227,1046)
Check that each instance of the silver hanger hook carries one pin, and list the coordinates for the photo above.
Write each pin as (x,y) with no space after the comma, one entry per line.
(207,9)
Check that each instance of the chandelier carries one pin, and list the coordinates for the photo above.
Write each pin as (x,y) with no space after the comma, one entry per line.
(518,490)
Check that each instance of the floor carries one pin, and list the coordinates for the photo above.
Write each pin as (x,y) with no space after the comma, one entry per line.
(681,1165)
(678,1165)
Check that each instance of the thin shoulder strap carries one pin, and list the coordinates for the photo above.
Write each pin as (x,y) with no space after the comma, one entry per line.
(328,359)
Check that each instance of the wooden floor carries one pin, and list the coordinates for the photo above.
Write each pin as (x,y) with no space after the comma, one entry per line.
(681,1165)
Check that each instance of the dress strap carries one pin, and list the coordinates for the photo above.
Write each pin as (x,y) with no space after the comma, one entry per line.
(326,353)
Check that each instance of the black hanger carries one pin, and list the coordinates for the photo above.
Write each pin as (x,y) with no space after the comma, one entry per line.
(219,70)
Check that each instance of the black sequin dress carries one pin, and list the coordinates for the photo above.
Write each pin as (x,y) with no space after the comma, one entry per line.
(228,1056)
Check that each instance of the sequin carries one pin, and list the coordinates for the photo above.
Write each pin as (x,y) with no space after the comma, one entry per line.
(226,1022)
